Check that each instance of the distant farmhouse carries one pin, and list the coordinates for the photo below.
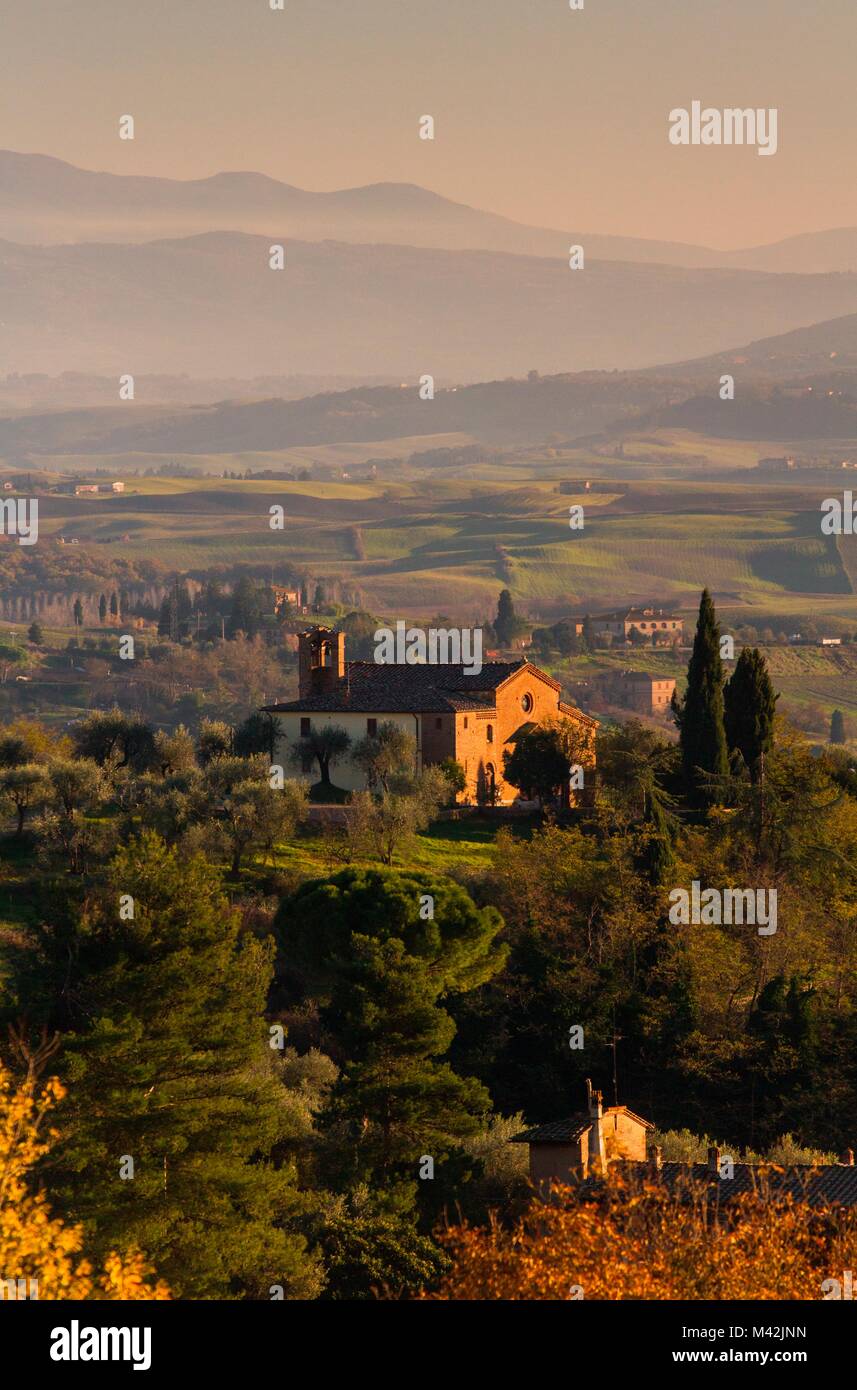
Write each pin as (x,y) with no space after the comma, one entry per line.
(78,489)
(641,691)
(450,712)
(286,599)
(776,465)
(585,1146)
(648,622)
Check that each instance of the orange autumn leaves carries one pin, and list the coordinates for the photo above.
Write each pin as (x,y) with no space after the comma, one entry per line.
(639,1240)
(33,1243)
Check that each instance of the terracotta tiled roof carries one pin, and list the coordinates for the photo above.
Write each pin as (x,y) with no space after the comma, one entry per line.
(555,1131)
(831,1184)
(374,687)
(623,1110)
(569,1130)
(392,688)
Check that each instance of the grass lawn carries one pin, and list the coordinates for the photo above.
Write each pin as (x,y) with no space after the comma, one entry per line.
(442,846)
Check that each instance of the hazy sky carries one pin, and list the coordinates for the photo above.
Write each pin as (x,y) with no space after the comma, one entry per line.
(550,116)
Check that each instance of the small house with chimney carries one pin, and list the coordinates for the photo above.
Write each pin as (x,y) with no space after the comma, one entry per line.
(583,1145)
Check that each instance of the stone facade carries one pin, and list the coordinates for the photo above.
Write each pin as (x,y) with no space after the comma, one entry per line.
(638,691)
(648,622)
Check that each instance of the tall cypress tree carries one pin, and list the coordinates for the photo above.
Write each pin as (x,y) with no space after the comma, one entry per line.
(505,621)
(700,716)
(749,705)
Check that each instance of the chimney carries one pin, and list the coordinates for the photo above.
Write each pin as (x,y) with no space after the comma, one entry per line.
(321,661)
(714,1160)
(597,1166)
(848,1158)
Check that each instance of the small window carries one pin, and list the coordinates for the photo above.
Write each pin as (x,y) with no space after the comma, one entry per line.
(465,721)
(526,702)
(305,727)
(438,723)
(371,727)
(490,733)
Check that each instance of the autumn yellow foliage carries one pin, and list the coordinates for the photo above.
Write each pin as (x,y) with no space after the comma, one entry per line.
(33,1243)
(638,1239)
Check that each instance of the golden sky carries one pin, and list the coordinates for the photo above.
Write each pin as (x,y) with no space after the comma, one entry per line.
(547,115)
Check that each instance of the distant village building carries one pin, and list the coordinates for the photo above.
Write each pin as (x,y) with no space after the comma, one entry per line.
(642,691)
(647,621)
(587,1145)
(450,713)
(776,465)
(78,489)
(284,599)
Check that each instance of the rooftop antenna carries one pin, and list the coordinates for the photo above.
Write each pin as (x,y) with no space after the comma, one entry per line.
(617,1038)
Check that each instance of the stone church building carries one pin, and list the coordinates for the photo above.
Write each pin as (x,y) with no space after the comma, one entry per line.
(450,712)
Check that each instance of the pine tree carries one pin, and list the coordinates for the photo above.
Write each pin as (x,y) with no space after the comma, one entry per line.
(700,716)
(114,604)
(102,608)
(381,970)
(78,613)
(172,1069)
(749,706)
(837,727)
(505,621)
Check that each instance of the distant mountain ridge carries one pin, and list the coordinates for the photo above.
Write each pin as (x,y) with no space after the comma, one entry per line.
(44,200)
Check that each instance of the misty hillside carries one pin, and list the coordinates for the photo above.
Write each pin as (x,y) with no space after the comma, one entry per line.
(820,347)
(494,410)
(210,305)
(570,408)
(813,412)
